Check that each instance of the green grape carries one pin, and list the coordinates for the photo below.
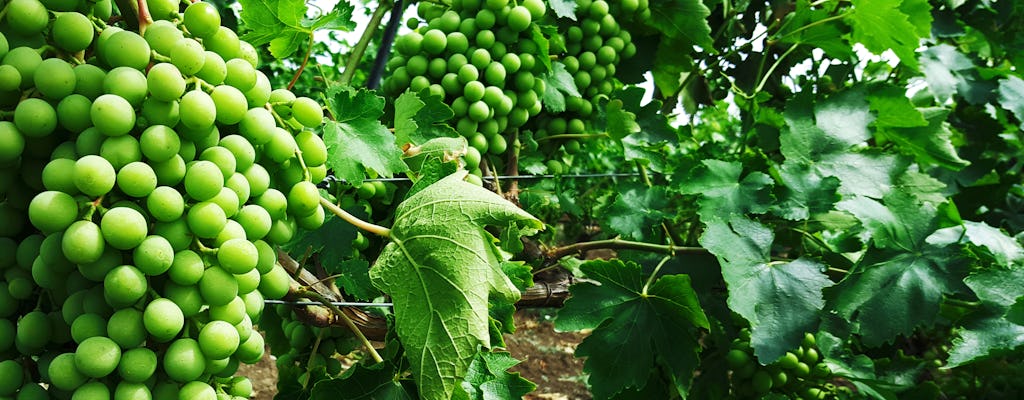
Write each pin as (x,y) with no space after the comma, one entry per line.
(54,78)
(12,142)
(136,179)
(206,219)
(73,113)
(183,361)
(97,357)
(188,55)
(258,178)
(230,103)
(519,18)
(112,115)
(255,220)
(187,268)
(201,19)
(196,390)
(281,146)
(165,82)
(198,110)
(218,339)
(214,70)
(242,151)
(274,283)
(52,211)
(479,111)
(94,175)
(126,328)
(137,365)
(35,118)
(313,148)
(162,36)
(409,44)
(89,391)
(125,49)
(485,39)
(237,256)
(163,319)
(166,10)
(128,390)
(154,255)
(121,150)
(10,78)
(217,286)
(468,73)
(63,373)
(307,111)
(257,125)
(223,42)
(124,285)
(26,17)
(303,199)
(170,172)
(240,74)
(25,60)
(159,143)
(474,91)
(123,228)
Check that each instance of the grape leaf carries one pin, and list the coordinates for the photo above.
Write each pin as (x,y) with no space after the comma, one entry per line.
(636,211)
(670,64)
(631,325)
(1011,95)
(893,109)
(563,8)
(982,337)
(355,138)
(1005,249)
(557,81)
(618,122)
(646,146)
(722,191)
(488,378)
(333,242)
(998,286)
(284,25)
(893,292)
(829,36)
(902,223)
(781,300)
(421,117)
(929,144)
(539,34)
(441,268)
(882,25)
(804,193)
(942,66)
(406,107)
(919,14)
(683,19)
(361,382)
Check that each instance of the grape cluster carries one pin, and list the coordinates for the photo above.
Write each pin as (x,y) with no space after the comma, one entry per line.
(306,346)
(799,374)
(595,44)
(480,56)
(144,182)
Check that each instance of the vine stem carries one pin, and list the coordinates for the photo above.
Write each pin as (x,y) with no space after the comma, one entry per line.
(352,219)
(305,60)
(360,48)
(344,318)
(617,243)
(815,23)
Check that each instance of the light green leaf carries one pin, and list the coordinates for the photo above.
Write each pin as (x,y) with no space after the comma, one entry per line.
(998,286)
(355,139)
(636,211)
(781,301)
(488,378)
(941,65)
(1004,248)
(441,270)
(557,81)
(919,14)
(894,109)
(268,19)
(1011,95)
(340,18)
(619,122)
(983,337)
(683,19)
(631,326)
(722,191)
(406,107)
(882,25)
(902,223)
(563,8)
(804,193)
(928,144)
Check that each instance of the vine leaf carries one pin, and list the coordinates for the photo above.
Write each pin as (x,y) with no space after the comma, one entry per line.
(333,241)
(782,301)
(804,193)
(999,287)
(929,144)
(1003,248)
(441,268)
(984,336)
(361,382)
(564,8)
(683,19)
(636,210)
(355,138)
(1011,95)
(943,66)
(488,378)
(284,25)
(882,25)
(722,191)
(630,327)
(902,223)
(557,81)
(670,64)
(893,109)
(421,118)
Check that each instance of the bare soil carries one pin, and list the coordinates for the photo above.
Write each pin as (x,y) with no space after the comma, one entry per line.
(546,355)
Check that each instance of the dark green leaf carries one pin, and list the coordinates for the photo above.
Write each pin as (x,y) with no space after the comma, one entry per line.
(619,122)
(488,378)
(893,109)
(1005,249)
(804,193)
(669,65)
(882,25)
(941,66)
(781,300)
(1011,95)
(631,325)
(983,337)
(997,285)
(683,19)
(929,144)
(557,81)
(902,223)
(636,211)
(540,35)
(361,382)
(441,269)
(356,140)
(406,107)
(722,191)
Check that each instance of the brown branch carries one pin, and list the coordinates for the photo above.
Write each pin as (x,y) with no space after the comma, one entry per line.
(554,254)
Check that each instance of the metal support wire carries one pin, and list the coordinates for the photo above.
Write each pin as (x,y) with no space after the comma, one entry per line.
(336,303)
(332,178)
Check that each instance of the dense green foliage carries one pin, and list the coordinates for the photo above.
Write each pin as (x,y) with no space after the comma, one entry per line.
(807,200)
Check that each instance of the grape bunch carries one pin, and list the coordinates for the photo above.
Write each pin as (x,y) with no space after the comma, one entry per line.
(799,374)
(480,56)
(595,44)
(144,182)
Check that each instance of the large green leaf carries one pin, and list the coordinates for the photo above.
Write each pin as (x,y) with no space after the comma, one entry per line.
(421,118)
(284,25)
(723,192)
(375,382)
(982,337)
(355,138)
(683,19)
(929,144)
(882,25)
(636,211)
(1011,95)
(633,325)
(781,300)
(489,379)
(441,268)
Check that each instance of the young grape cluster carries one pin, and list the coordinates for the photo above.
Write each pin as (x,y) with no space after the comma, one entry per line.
(480,56)
(144,182)
(595,44)
(799,374)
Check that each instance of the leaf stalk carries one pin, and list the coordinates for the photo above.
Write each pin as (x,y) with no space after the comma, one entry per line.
(355,221)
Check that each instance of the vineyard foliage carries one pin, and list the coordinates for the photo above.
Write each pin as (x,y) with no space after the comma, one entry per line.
(793,199)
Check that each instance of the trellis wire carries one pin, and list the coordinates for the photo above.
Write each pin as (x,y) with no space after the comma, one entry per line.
(336,303)
(332,178)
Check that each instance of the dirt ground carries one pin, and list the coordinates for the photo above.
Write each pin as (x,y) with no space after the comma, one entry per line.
(547,360)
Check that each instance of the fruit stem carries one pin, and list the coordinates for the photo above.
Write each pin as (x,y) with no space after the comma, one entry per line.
(650,279)
(360,48)
(348,321)
(145,19)
(352,219)
(305,60)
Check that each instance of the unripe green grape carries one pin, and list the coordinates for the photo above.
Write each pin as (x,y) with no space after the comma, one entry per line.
(159,143)
(198,111)
(137,365)
(124,285)
(63,374)
(183,361)
(478,111)
(125,49)
(112,115)
(55,78)
(35,118)
(419,83)
(163,319)
(136,179)
(312,221)
(485,39)
(258,178)
(217,286)
(240,74)
(303,199)
(188,55)
(257,125)
(26,17)
(255,220)
(201,19)
(94,175)
(409,44)
(474,91)
(206,219)
(436,68)
(73,114)
(307,111)
(497,145)
(224,42)
(187,298)
(281,146)
(25,60)
(162,36)
(214,70)
(485,19)
(128,83)
(154,255)
(121,150)
(97,356)
(230,103)
(519,18)
(165,82)
(166,10)
(176,232)
(468,73)
(479,142)
(10,78)
(170,172)
(52,211)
